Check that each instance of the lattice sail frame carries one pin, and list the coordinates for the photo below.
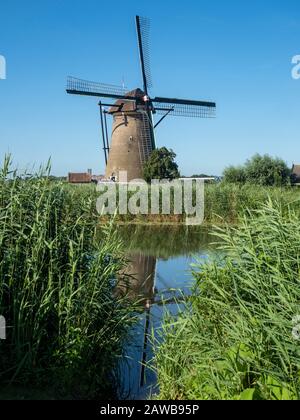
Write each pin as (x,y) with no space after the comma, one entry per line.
(185,110)
(145,41)
(88,87)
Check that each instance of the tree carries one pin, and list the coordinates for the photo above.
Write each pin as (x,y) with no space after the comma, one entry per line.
(235,175)
(161,165)
(260,170)
(265,170)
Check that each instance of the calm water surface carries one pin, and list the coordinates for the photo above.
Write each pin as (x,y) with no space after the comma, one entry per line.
(159,271)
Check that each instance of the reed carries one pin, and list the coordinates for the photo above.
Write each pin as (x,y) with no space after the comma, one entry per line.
(226,203)
(66,328)
(223,203)
(238,335)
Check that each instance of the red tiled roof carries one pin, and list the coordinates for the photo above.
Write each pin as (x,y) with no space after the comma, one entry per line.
(79,178)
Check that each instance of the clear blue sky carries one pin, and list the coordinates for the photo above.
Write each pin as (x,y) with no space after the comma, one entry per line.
(237,53)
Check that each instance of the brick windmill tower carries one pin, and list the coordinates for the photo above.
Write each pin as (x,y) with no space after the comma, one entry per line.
(131,140)
(133,129)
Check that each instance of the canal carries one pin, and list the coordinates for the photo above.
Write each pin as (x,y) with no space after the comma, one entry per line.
(158,276)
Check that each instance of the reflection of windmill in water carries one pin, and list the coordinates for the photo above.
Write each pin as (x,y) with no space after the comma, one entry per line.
(133,135)
(137,282)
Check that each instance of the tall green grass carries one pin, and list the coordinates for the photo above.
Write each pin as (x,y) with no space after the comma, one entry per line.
(226,203)
(237,335)
(223,203)
(65,326)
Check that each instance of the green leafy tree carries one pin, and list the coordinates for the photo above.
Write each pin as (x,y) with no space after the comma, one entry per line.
(161,165)
(235,175)
(265,170)
(260,170)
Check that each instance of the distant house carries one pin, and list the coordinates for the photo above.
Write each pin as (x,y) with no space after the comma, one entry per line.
(84,177)
(79,178)
(295,177)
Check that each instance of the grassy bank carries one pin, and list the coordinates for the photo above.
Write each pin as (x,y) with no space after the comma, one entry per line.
(224,203)
(238,336)
(227,203)
(65,327)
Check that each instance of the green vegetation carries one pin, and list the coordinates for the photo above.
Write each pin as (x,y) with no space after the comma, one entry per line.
(227,203)
(260,170)
(235,175)
(66,328)
(224,203)
(235,338)
(161,165)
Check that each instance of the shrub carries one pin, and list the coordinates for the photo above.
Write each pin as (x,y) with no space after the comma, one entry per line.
(259,170)
(235,175)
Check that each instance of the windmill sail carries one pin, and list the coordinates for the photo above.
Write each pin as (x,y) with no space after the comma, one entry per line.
(184,107)
(133,138)
(85,87)
(143,34)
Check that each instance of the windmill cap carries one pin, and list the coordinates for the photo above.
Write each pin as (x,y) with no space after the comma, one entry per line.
(127,104)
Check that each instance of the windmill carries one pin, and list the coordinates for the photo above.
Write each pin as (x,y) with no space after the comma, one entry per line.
(133,130)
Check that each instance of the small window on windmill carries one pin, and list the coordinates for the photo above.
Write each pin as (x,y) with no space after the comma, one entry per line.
(131,139)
